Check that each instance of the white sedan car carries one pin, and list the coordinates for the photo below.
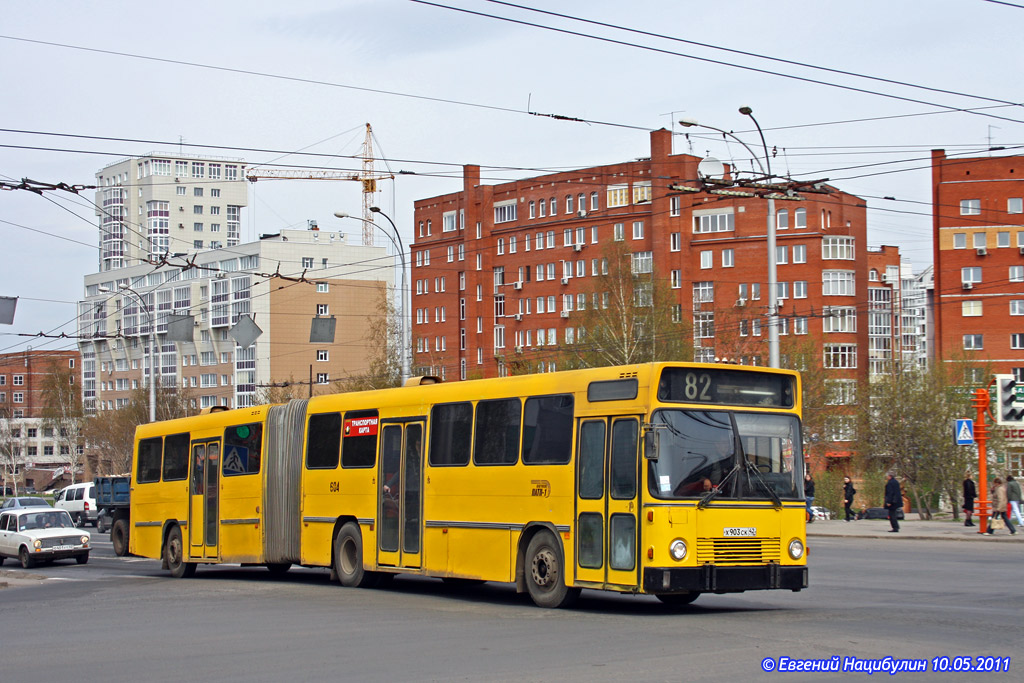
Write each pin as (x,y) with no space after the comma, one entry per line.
(41,534)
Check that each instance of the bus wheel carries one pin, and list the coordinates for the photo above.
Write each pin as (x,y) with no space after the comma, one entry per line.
(174,554)
(545,577)
(279,568)
(119,537)
(348,558)
(679,599)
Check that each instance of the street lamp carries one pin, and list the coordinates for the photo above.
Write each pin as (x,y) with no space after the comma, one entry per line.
(773,311)
(152,351)
(406,345)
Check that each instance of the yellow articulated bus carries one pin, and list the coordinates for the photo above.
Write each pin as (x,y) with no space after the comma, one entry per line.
(671,479)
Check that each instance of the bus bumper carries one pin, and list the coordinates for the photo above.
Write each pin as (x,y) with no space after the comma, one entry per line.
(711,578)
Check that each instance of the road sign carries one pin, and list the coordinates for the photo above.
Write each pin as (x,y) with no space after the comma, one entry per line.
(236,460)
(964,432)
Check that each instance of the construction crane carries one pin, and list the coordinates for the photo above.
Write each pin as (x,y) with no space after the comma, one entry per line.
(368,177)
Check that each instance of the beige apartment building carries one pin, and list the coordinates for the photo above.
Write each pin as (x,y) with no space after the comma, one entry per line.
(160,204)
(282,282)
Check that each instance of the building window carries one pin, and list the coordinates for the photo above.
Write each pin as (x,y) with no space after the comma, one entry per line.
(837,283)
(970,207)
(979,240)
(1017,341)
(594,202)
(970,309)
(839,319)
(322,378)
(618,195)
(714,222)
(618,232)
(18,380)
(322,288)
(840,356)
(1017,307)
(1015,205)
(974,342)
(675,206)
(704,292)
(677,279)
(728,258)
(505,212)
(322,309)
(568,204)
(972,275)
(837,248)
(781,255)
(959,240)
(707,259)
(323,355)
(1016,273)
(782,219)
(448,221)
(1003,239)
(800,219)
(800,289)
(799,253)
(642,192)
(638,230)
(675,241)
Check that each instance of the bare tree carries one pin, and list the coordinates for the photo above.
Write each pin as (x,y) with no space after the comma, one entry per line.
(62,413)
(12,443)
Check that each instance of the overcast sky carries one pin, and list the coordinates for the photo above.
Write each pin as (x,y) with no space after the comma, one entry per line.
(443,87)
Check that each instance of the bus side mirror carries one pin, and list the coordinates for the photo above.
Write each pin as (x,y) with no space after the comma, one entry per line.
(652,444)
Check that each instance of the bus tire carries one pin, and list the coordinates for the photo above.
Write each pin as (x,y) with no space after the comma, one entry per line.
(348,558)
(279,568)
(545,573)
(174,554)
(119,537)
(678,599)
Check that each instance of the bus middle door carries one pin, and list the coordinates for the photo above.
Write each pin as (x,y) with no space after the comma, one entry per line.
(400,487)
(607,501)
(204,500)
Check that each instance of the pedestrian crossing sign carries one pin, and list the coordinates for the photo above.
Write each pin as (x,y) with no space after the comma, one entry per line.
(964,432)
(236,460)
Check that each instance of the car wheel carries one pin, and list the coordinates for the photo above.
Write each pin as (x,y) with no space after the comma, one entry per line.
(174,555)
(27,562)
(79,520)
(545,576)
(1,559)
(101,524)
(119,537)
(82,559)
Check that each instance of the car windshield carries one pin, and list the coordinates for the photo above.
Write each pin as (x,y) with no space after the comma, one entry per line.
(58,519)
(31,502)
(726,455)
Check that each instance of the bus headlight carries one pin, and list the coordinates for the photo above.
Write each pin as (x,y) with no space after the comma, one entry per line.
(677,549)
(796,549)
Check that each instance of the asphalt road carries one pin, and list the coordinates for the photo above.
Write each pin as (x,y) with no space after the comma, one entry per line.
(124,619)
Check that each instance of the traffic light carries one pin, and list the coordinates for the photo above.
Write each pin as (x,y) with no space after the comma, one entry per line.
(1009,409)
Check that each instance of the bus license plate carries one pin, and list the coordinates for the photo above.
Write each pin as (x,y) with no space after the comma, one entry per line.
(740,531)
(62,547)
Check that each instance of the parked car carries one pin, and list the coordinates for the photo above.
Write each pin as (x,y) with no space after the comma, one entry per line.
(880,513)
(24,502)
(80,502)
(820,513)
(34,535)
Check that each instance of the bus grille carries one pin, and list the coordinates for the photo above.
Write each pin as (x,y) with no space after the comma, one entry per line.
(738,551)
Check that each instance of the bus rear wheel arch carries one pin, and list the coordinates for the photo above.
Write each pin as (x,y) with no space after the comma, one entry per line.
(544,570)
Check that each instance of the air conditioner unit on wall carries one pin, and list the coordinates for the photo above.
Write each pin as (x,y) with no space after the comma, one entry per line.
(519,349)
(968,285)
(519,317)
(982,251)
(740,303)
(517,285)
(565,280)
(577,247)
(565,314)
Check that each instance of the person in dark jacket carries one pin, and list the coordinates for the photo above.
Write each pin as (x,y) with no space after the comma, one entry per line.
(848,493)
(970,493)
(893,501)
(809,496)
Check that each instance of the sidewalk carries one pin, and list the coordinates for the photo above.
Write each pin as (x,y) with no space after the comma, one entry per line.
(912,528)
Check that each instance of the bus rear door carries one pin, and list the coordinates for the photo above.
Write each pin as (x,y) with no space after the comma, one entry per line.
(606,501)
(399,513)
(204,501)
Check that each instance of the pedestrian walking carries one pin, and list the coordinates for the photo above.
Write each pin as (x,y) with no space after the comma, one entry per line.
(970,493)
(1013,496)
(999,517)
(893,501)
(809,496)
(848,493)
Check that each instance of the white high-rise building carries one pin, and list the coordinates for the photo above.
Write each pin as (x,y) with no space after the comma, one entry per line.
(160,204)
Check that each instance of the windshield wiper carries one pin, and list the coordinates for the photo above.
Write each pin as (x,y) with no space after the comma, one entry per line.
(776,501)
(710,495)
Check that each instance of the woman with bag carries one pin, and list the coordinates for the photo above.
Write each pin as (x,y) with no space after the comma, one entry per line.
(999,518)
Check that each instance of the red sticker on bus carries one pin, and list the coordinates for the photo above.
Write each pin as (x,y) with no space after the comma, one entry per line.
(361,426)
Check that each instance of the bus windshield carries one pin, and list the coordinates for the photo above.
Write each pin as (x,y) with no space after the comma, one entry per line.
(726,455)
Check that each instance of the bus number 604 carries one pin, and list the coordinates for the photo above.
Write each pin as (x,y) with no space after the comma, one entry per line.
(335,487)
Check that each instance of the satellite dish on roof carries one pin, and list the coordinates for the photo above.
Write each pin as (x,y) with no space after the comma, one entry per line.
(710,168)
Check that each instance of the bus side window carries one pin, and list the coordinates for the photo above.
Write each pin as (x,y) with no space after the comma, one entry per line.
(324,441)
(451,433)
(149,460)
(497,432)
(176,457)
(547,430)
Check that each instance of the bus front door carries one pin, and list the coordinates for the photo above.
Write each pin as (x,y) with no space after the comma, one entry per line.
(400,482)
(204,501)
(607,502)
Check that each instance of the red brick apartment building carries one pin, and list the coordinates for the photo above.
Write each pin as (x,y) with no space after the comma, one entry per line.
(499,272)
(978,218)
